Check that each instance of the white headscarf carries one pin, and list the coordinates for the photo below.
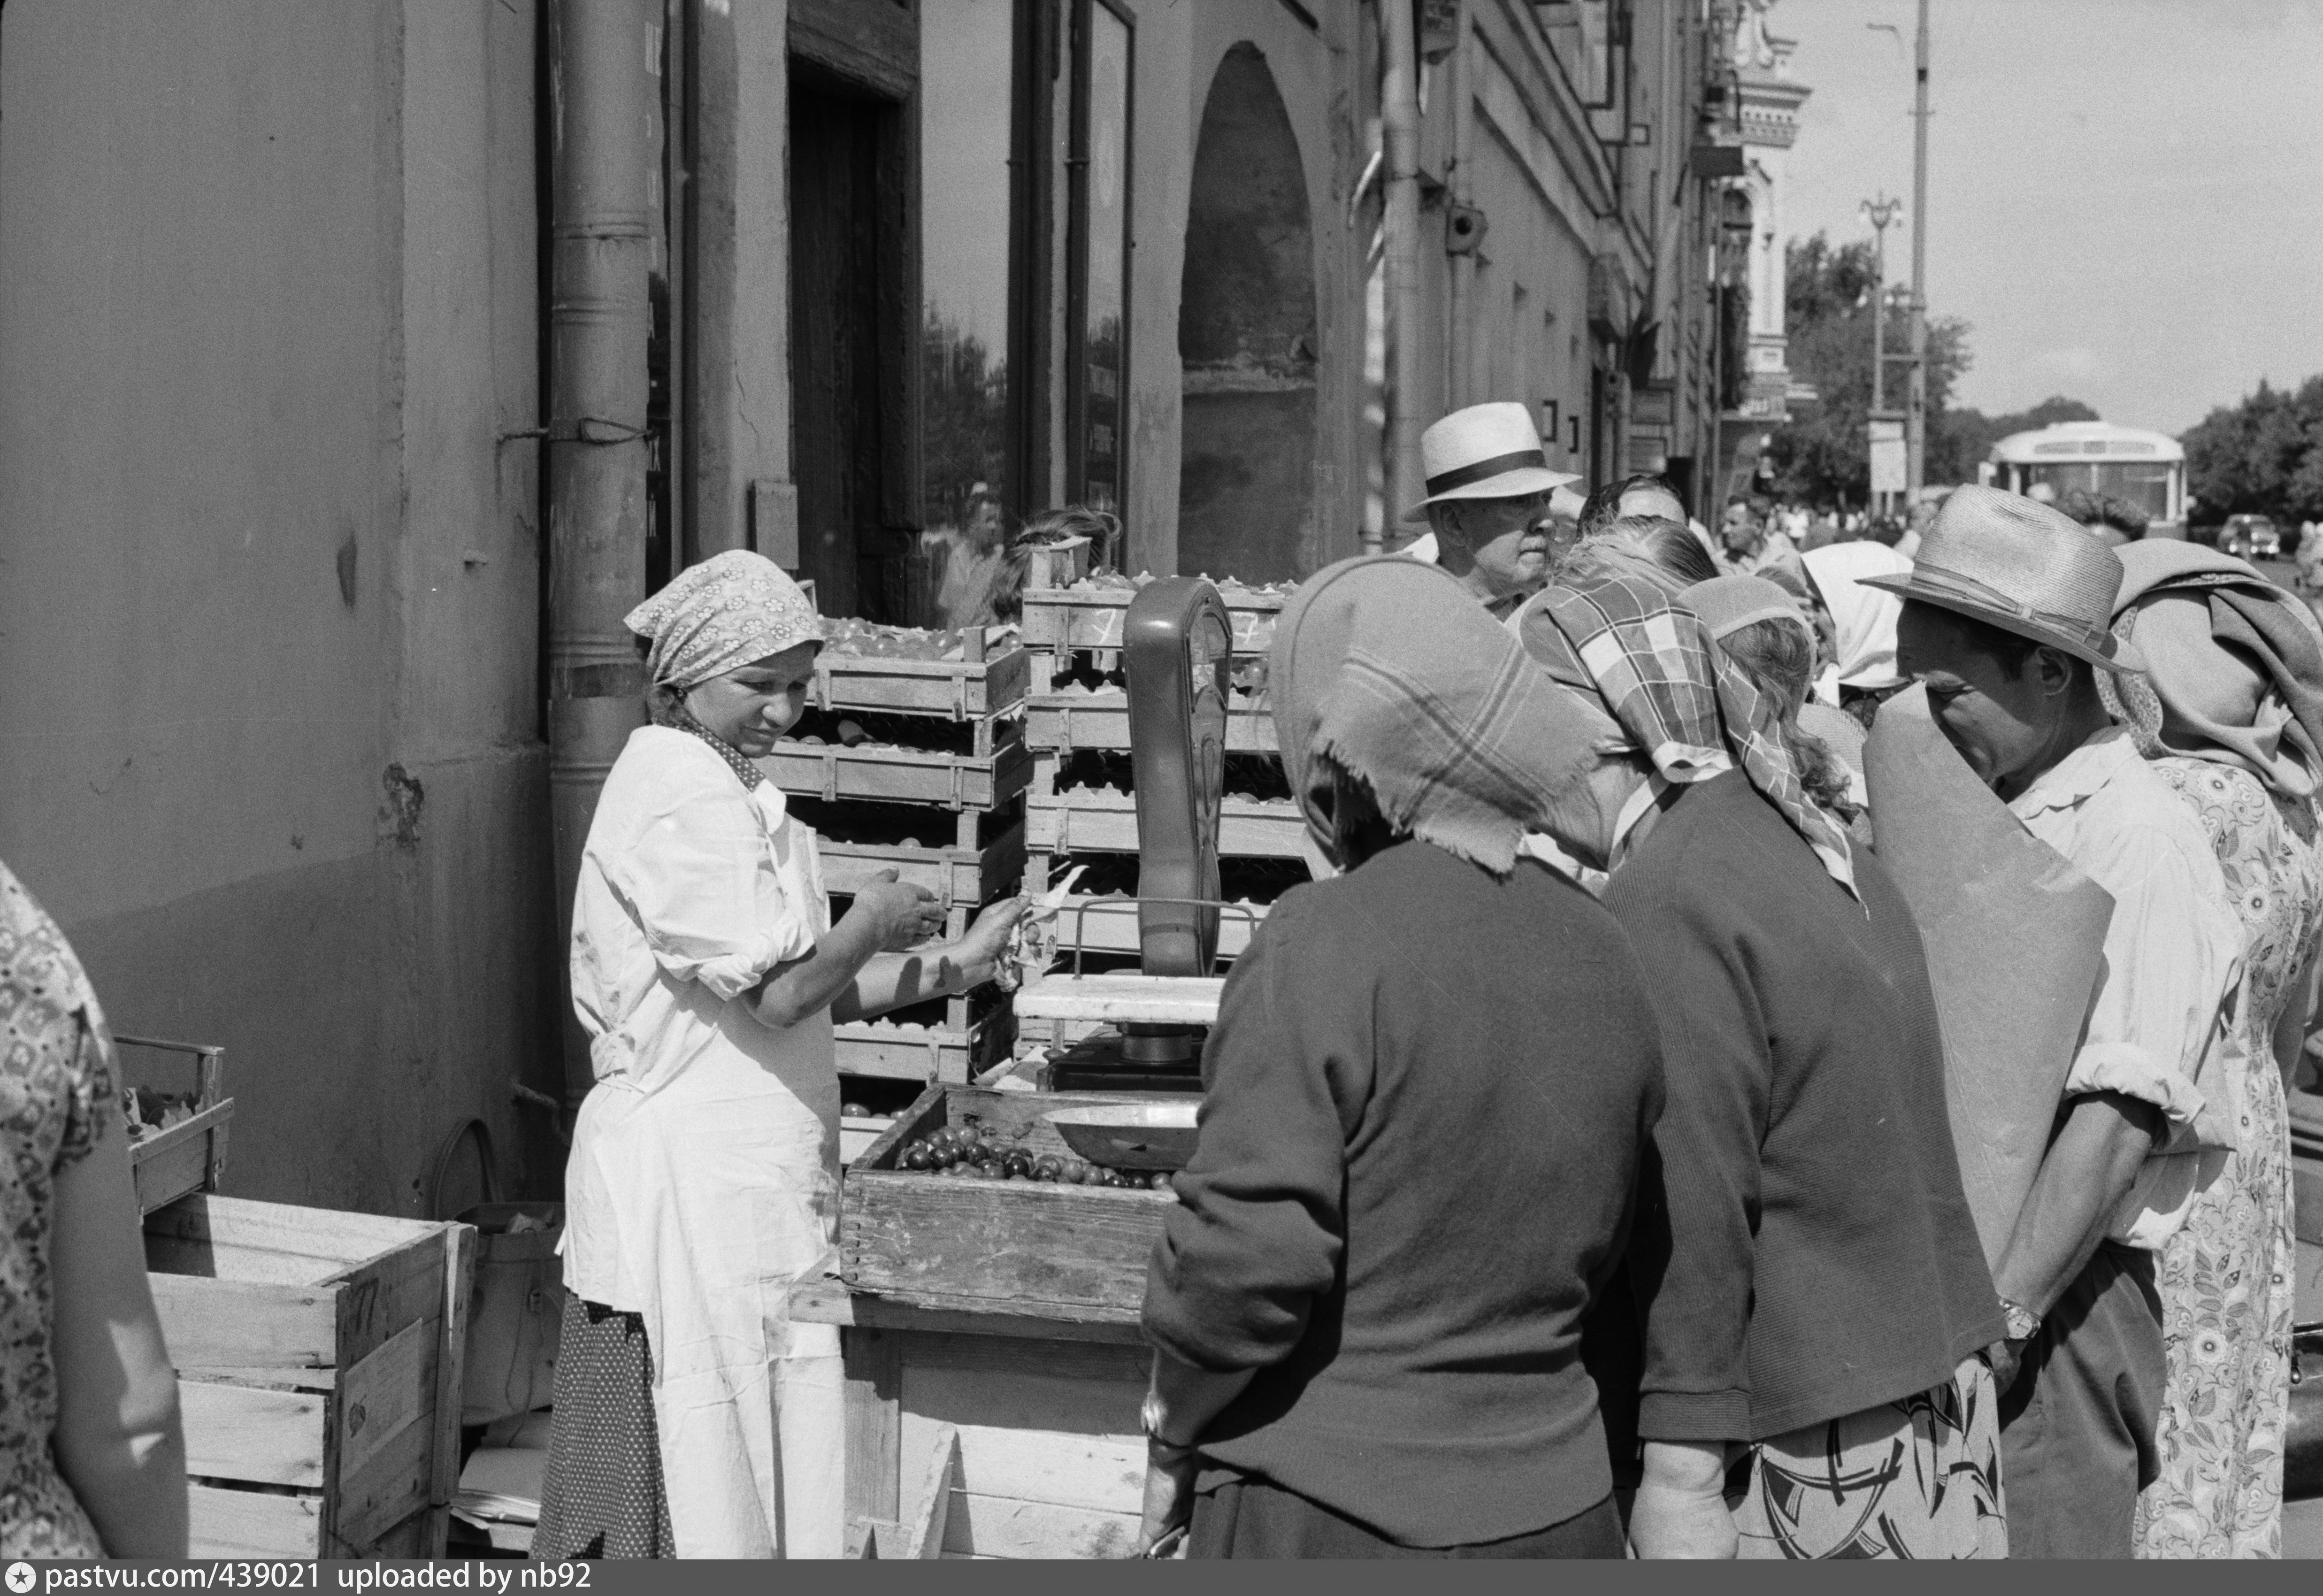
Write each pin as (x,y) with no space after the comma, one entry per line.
(720,615)
(1864,616)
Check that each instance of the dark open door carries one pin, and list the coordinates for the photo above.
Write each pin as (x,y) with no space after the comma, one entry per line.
(854,330)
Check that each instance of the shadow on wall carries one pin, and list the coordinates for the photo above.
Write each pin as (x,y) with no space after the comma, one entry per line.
(1247,337)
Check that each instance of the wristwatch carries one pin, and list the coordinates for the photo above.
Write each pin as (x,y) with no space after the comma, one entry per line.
(1149,1419)
(2024,1324)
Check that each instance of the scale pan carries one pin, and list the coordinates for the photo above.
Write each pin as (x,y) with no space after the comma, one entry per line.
(1129,1135)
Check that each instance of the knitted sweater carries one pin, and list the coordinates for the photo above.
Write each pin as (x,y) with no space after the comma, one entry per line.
(1813,1256)
(1427,1096)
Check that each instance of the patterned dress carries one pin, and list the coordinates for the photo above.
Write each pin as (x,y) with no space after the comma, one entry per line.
(56,1085)
(2226,1276)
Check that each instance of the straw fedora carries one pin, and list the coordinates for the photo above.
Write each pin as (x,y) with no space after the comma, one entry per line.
(2015,564)
(1485,452)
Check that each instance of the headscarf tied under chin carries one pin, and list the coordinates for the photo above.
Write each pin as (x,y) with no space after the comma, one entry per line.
(1390,669)
(720,615)
(2234,665)
(1863,616)
(1689,709)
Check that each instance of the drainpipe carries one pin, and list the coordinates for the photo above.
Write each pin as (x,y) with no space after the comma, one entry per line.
(1462,388)
(1400,125)
(603,99)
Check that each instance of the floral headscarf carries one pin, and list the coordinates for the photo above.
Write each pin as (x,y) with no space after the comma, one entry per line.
(1691,711)
(720,615)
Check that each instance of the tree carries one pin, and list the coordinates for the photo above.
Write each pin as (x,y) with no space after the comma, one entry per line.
(2264,457)
(1820,455)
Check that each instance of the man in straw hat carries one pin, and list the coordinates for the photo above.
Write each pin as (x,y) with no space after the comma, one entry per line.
(1488,503)
(2005,622)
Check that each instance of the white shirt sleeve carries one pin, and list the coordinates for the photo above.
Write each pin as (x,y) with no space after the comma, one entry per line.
(701,882)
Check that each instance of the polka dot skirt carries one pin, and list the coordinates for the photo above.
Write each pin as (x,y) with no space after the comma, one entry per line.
(603,1496)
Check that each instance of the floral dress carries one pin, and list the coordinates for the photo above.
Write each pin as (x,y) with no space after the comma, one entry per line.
(2227,1275)
(56,1085)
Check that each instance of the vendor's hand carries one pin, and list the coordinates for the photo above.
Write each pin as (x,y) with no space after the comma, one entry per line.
(1680,1510)
(1169,1495)
(986,942)
(904,915)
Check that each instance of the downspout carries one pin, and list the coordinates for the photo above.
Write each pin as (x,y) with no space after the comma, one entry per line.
(1399,127)
(602,97)
(1461,390)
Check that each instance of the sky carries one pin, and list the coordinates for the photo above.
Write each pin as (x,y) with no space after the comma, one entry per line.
(2126,195)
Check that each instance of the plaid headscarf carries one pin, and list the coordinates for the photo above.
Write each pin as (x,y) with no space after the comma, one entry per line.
(1390,668)
(1690,710)
(720,615)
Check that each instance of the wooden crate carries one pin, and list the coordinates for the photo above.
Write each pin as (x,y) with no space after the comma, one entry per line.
(890,774)
(190,1155)
(319,1370)
(1103,820)
(1067,722)
(948,1052)
(959,876)
(1077,1252)
(958,689)
(1060,618)
(1060,564)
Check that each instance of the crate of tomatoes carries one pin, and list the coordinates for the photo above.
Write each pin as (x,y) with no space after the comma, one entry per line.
(973,1199)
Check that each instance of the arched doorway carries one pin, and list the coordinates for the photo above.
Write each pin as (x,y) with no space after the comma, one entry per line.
(1247,337)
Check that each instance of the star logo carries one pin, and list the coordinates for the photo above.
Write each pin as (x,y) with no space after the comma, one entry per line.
(20,1577)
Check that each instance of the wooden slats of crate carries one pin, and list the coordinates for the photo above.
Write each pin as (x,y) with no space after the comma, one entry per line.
(1068,721)
(318,1359)
(969,876)
(959,689)
(1103,820)
(951,1053)
(889,774)
(1059,618)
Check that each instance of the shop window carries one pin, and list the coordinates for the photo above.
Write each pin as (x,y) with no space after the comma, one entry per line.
(1097,369)
(967,52)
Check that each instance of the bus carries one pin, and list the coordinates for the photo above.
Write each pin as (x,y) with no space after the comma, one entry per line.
(2146,469)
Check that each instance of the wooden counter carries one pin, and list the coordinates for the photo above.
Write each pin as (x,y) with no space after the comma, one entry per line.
(975,1433)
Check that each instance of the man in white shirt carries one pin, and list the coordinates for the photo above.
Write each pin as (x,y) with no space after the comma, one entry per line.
(1488,503)
(2006,622)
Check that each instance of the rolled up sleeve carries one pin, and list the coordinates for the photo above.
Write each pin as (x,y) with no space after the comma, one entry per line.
(2172,960)
(1261,1222)
(698,880)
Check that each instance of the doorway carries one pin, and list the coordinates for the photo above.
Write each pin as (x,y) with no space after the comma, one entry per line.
(1247,338)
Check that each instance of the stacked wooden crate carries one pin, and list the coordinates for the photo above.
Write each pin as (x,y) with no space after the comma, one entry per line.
(937,795)
(319,1372)
(1079,709)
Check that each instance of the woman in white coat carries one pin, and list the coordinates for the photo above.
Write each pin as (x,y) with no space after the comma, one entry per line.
(693,1419)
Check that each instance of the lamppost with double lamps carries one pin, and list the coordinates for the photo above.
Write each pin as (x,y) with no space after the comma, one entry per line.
(1882,211)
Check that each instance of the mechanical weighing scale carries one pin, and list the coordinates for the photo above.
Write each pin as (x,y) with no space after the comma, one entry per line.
(1177,647)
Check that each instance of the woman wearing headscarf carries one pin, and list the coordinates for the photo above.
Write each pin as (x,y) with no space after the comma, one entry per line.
(1862,623)
(1765,631)
(2230,715)
(1425,1100)
(1811,1292)
(693,1419)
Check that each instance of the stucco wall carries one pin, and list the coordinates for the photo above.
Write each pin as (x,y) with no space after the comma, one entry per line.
(269,626)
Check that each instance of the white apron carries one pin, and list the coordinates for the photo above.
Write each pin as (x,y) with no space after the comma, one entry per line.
(703,1177)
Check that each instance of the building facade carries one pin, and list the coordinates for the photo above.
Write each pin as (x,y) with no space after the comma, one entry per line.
(280,633)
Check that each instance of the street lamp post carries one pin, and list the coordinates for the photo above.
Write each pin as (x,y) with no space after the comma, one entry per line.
(1881,211)
(1915,420)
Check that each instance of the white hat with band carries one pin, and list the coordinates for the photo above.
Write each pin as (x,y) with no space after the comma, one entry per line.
(1485,452)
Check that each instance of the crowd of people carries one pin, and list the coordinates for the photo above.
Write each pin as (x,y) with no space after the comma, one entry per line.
(1580,1170)
(1582,1167)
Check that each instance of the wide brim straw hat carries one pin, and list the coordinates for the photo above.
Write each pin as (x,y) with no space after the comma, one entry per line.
(1485,452)
(2018,565)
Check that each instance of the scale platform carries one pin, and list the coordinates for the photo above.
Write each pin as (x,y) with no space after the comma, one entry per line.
(1155,1025)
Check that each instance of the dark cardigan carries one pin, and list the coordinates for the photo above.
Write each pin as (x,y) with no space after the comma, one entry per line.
(1815,1256)
(1427,1093)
